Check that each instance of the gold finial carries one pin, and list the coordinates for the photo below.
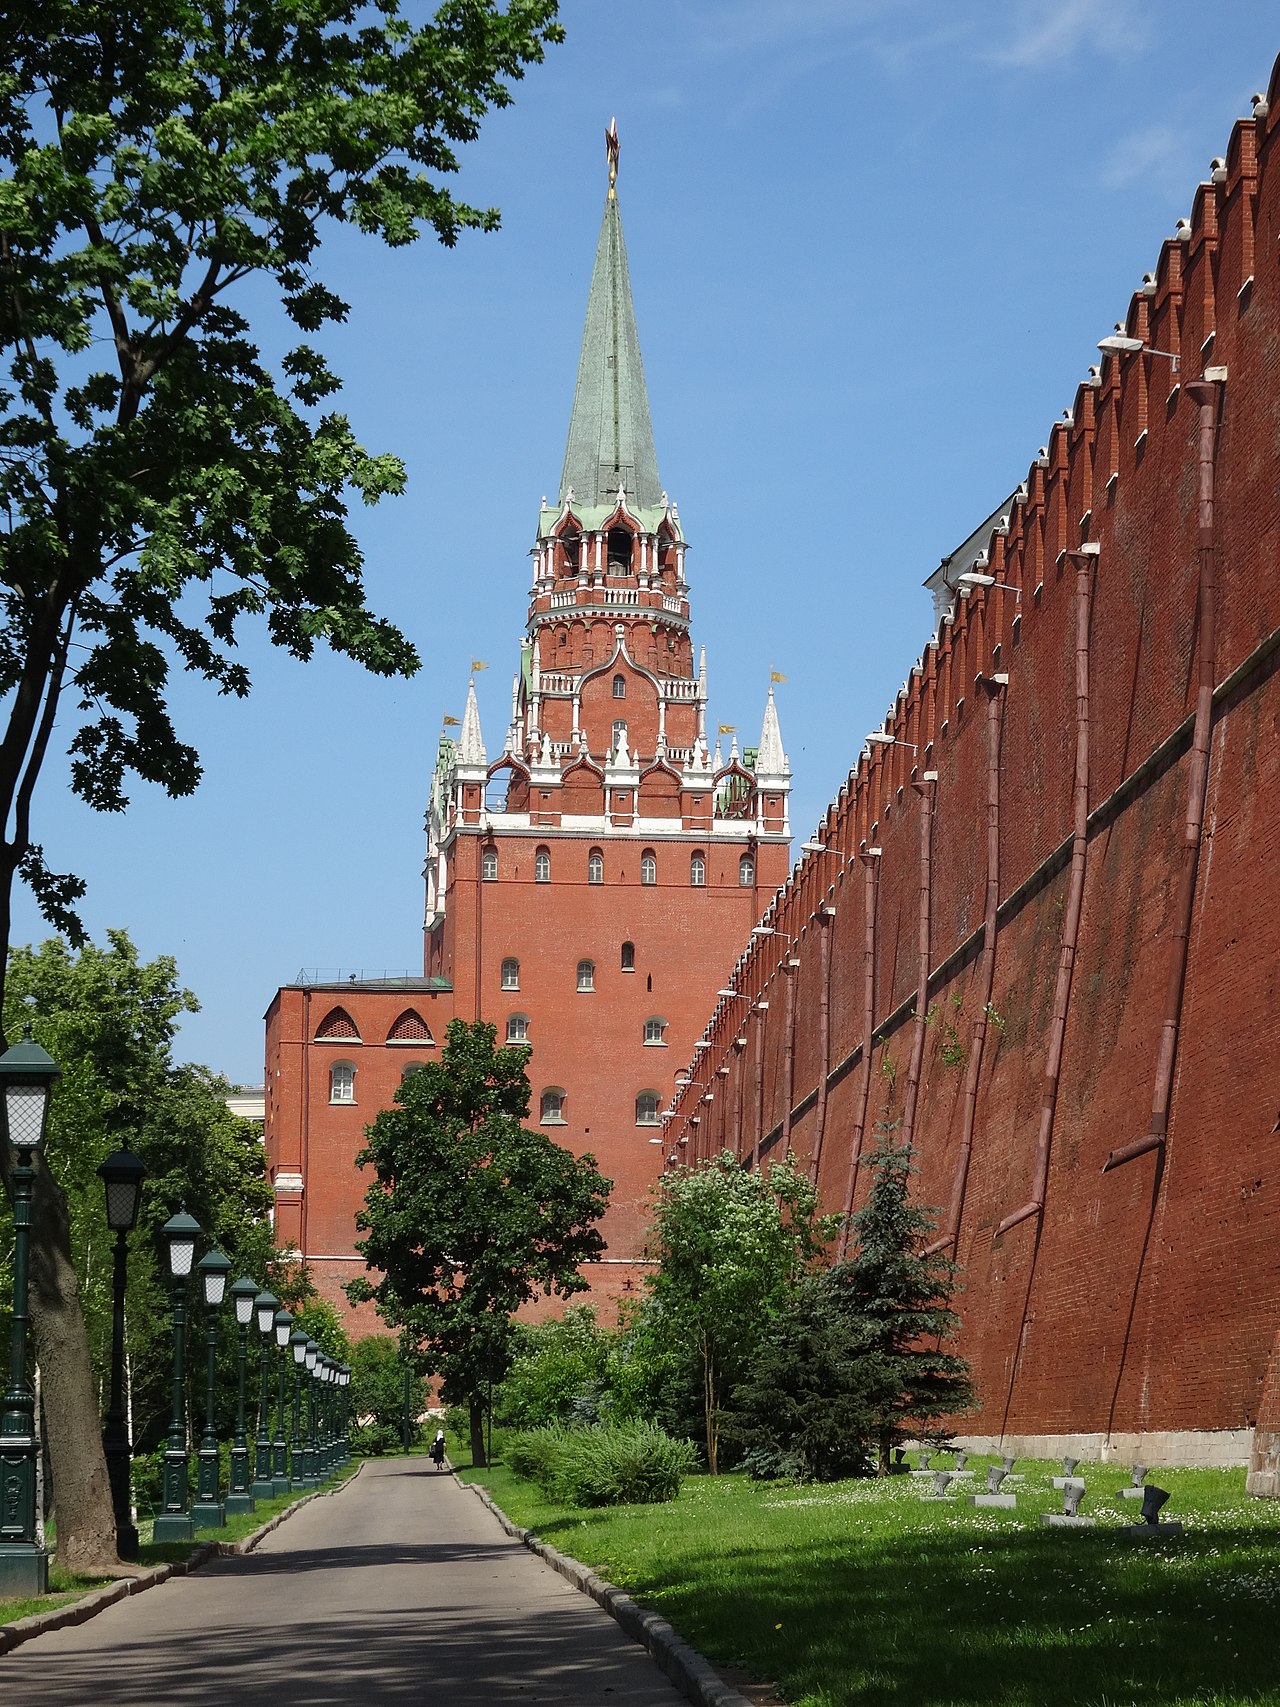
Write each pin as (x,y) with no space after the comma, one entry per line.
(611,149)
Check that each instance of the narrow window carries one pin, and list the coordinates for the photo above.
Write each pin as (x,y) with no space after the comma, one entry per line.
(647,1108)
(517,1028)
(586,974)
(648,867)
(628,957)
(746,871)
(542,866)
(619,550)
(510,974)
(342,1082)
(411,1067)
(595,866)
(654,1028)
(619,687)
(489,865)
(619,732)
(698,871)
(551,1107)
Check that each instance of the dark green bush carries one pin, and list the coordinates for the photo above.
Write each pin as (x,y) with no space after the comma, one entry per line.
(620,1464)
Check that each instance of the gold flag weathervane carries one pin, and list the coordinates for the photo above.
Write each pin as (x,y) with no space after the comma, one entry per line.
(776,676)
(451,722)
(728,729)
(478,664)
(611,149)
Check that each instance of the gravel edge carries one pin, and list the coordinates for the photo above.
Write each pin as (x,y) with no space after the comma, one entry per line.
(682,1664)
(89,1605)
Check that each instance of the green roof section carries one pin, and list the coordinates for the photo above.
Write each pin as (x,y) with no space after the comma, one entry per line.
(610,431)
(594,516)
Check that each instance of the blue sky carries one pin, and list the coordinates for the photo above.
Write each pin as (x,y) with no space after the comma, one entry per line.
(873,244)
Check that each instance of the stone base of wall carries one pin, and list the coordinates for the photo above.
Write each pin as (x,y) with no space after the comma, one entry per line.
(1220,1448)
(1264,1466)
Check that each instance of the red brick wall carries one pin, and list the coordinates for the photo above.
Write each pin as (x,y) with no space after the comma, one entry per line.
(1141,1298)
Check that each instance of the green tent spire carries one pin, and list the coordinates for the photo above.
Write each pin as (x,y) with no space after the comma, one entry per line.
(610,432)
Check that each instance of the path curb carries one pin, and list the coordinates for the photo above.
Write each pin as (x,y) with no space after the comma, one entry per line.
(89,1605)
(683,1665)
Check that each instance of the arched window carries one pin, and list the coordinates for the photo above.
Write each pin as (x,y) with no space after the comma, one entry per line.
(410,1028)
(338,1023)
(698,871)
(342,1082)
(648,867)
(551,1107)
(542,866)
(619,732)
(746,871)
(510,973)
(489,866)
(586,974)
(410,1068)
(619,687)
(628,957)
(619,550)
(647,1108)
(654,1029)
(595,866)
(517,1028)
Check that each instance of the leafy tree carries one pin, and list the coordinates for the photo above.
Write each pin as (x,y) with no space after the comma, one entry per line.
(900,1297)
(378,1370)
(109,1020)
(560,1371)
(161,168)
(731,1246)
(469,1214)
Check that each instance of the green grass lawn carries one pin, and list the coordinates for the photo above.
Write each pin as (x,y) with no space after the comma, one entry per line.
(859,1593)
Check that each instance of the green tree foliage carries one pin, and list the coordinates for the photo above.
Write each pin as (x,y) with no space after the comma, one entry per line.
(469,1214)
(378,1370)
(560,1371)
(163,169)
(731,1246)
(856,1363)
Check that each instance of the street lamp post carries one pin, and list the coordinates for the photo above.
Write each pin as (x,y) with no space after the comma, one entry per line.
(298,1347)
(344,1381)
(311,1464)
(174,1522)
(264,1308)
(27,1075)
(322,1370)
(239,1499)
(207,1513)
(280,1445)
(122,1175)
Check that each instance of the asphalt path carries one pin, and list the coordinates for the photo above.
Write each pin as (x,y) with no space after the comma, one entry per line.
(400,1588)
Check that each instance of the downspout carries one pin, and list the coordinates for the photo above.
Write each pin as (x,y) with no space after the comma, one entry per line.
(824,1037)
(995,690)
(870,858)
(760,1009)
(1084,561)
(924,788)
(1207,394)
(789,967)
(306,1122)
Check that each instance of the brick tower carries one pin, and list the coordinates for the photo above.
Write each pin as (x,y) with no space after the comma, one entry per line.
(590,889)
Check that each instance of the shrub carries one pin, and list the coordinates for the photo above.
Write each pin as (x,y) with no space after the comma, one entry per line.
(628,1464)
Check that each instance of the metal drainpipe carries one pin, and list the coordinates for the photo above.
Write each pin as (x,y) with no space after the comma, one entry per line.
(759,1122)
(824,1038)
(924,788)
(1084,560)
(995,689)
(788,1051)
(870,858)
(1207,394)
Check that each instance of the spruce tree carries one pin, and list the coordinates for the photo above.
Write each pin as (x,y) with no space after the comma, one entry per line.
(900,1295)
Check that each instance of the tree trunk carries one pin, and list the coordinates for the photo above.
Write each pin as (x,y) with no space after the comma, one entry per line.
(475,1410)
(710,1411)
(81,1491)
(886,1442)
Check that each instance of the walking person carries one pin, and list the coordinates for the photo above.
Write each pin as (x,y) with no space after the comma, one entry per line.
(437,1449)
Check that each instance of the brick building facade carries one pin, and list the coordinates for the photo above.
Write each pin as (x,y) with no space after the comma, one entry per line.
(1038,928)
(586,890)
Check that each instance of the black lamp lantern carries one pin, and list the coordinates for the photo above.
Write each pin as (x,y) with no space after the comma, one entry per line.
(27,1077)
(174,1522)
(244,1295)
(283,1327)
(265,1306)
(122,1175)
(213,1269)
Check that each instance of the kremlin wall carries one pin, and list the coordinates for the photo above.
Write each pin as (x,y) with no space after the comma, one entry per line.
(1037,930)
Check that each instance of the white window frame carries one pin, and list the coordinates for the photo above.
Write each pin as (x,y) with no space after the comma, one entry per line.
(746,872)
(656,1024)
(509,977)
(648,868)
(645,1119)
(517,1028)
(698,871)
(542,866)
(342,1091)
(586,977)
(551,1107)
(489,865)
(595,866)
